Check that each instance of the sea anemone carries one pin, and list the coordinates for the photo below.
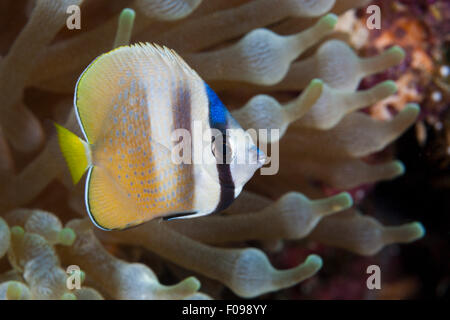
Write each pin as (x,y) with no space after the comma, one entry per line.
(277,65)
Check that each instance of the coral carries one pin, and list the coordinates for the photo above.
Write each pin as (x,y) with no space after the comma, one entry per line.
(20,126)
(278,65)
(130,281)
(33,255)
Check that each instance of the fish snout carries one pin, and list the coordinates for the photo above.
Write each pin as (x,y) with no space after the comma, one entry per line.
(261,157)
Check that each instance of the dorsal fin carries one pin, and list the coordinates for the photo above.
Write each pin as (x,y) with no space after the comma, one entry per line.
(103,84)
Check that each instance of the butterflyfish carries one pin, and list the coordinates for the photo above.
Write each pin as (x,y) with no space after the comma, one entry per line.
(128,102)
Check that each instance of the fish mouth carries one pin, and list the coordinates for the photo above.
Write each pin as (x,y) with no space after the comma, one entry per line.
(261,158)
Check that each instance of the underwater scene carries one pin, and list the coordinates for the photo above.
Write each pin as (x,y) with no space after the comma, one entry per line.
(224,149)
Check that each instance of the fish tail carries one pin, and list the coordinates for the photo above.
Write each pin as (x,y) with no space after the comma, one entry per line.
(76,151)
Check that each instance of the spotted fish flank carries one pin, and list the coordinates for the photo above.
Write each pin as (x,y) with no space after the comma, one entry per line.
(128,102)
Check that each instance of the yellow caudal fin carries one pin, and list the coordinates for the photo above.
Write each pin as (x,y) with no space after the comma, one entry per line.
(76,152)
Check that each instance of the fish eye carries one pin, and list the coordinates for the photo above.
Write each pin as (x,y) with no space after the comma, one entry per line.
(221,149)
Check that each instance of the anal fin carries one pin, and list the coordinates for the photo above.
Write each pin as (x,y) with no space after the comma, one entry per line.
(108,204)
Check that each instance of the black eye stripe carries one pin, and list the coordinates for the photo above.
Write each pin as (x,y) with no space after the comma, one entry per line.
(226,152)
(218,120)
(225,178)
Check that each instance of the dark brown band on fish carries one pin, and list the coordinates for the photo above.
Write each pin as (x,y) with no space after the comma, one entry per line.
(181,101)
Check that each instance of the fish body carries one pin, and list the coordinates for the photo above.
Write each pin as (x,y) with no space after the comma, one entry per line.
(128,103)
